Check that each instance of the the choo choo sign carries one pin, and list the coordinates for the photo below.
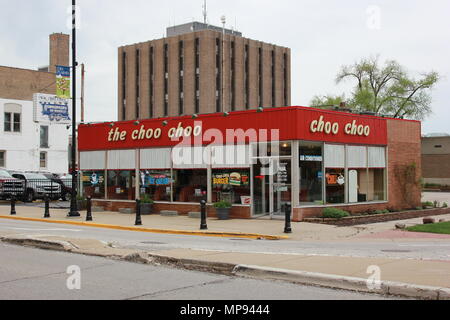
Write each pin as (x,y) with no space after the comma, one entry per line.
(350,128)
(148,134)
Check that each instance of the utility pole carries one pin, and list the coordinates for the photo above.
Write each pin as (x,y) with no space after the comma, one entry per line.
(73,199)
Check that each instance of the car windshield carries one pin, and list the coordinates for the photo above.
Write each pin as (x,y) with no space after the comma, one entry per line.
(35,176)
(5,174)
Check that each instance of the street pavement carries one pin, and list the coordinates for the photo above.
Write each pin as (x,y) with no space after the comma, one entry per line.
(35,274)
(415,258)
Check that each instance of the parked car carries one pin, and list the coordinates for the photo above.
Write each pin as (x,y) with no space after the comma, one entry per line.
(10,186)
(65,181)
(37,186)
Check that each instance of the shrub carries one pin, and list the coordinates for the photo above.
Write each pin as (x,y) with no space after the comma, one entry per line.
(334,213)
(427,204)
(145,198)
(436,204)
(419,208)
(385,211)
(445,205)
(222,204)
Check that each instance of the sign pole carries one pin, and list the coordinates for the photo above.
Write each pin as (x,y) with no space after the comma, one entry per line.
(73,199)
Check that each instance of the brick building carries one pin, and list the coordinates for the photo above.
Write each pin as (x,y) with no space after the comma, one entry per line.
(258,160)
(26,142)
(436,160)
(198,69)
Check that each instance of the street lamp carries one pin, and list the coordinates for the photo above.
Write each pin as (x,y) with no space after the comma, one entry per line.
(73,201)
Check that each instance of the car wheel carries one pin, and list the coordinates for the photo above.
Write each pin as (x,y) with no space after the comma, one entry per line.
(29,196)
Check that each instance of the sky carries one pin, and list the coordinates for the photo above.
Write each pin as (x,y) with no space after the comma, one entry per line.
(323,35)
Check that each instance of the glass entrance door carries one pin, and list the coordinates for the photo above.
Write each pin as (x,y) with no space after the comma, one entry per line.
(272,186)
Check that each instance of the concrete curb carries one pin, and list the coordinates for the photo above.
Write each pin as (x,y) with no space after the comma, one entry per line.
(162,231)
(343,282)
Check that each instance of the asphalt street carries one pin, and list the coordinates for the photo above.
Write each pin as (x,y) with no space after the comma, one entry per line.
(414,249)
(27,273)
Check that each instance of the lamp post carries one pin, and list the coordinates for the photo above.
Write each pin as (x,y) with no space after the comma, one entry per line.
(73,201)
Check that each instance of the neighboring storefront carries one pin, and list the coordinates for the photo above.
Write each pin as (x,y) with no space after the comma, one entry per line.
(256,160)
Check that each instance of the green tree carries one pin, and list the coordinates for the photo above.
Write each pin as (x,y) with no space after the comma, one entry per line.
(327,101)
(388,89)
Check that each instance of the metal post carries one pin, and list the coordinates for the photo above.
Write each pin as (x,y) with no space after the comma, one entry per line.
(73,201)
(47,207)
(203,225)
(287,227)
(138,213)
(13,205)
(89,209)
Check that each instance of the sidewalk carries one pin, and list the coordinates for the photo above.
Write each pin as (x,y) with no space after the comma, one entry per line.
(254,228)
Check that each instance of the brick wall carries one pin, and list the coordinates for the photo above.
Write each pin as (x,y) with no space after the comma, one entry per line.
(238,212)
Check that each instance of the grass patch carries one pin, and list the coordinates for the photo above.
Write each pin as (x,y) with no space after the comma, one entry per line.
(441,228)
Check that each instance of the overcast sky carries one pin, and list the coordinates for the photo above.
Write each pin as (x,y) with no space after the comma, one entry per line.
(322,34)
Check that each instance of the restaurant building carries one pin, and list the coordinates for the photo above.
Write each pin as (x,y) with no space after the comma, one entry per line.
(258,160)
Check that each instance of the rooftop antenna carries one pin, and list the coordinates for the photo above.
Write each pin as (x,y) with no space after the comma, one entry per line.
(205,12)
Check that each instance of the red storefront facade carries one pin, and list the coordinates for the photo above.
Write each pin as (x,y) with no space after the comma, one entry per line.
(257,159)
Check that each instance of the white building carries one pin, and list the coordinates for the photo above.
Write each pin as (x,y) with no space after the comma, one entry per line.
(29,142)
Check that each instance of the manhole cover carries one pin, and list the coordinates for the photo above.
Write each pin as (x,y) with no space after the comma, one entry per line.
(396,251)
(152,242)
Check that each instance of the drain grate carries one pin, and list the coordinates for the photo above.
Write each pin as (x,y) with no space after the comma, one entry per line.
(397,251)
(241,239)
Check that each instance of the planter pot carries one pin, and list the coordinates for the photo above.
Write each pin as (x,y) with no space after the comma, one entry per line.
(223,213)
(82,205)
(146,208)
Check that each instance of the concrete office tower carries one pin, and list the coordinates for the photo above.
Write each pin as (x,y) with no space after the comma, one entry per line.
(200,69)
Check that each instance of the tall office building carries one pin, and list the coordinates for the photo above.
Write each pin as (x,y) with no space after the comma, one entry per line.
(199,68)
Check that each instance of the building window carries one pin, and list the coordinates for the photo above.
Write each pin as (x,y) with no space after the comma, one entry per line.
(311,173)
(156,184)
(166,80)
(2,159)
(151,72)
(230,185)
(233,76)
(197,75)
(181,78)
(12,122)
(285,86)
(190,185)
(124,84)
(44,137)
(247,77)
(218,76)
(94,184)
(138,111)
(43,160)
(260,77)
(273,80)
(121,184)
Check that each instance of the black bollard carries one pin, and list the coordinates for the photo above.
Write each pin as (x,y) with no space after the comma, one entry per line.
(203,225)
(13,205)
(287,227)
(89,209)
(47,207)
(138,213)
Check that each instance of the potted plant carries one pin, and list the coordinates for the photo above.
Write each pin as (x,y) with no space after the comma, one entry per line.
(146,204)
(81,202)
(223,210)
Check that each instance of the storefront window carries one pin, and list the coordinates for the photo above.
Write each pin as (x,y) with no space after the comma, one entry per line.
(94,184)
(335,185)
(272,149)
(156,184)
(190,185)
(311,173)
(358,185)
(121,185)
(232,185)
(376,185)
